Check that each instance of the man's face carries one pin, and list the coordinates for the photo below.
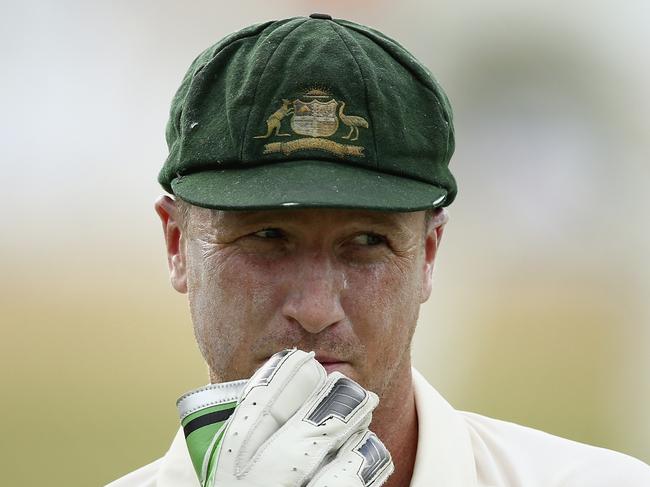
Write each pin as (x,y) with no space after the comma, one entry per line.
(346,284)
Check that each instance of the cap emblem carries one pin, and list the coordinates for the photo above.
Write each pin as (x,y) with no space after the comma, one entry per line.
(314,118)
(317,116)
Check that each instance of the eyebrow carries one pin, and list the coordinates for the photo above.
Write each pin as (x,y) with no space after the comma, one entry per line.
(384,221)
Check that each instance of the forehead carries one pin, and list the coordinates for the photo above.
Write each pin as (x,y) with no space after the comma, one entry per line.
(206,217)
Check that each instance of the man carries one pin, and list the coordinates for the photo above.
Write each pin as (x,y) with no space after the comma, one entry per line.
(309,160)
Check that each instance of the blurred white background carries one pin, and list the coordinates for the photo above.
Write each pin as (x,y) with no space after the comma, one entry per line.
(540,311)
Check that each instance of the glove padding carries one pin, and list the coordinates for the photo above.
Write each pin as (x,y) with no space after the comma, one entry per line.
(293,426)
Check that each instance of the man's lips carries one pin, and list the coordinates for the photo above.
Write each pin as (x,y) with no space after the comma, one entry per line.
(330,362)
(327,359)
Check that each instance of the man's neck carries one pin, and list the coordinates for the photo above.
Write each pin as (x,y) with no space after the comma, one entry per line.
(395,422)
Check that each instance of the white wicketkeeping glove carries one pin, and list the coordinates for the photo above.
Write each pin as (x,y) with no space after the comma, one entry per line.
(290,425)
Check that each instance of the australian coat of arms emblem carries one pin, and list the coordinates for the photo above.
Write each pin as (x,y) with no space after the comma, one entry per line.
(316,116)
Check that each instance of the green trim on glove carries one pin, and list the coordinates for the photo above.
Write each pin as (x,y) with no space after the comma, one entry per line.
(203,435)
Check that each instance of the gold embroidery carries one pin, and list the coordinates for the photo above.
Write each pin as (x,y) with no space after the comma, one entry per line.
(315,115)
(314,143)
(352,121)
(317,93)
(275,121)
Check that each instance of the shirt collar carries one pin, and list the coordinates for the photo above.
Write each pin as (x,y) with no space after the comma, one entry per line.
(444,455)
(176,469)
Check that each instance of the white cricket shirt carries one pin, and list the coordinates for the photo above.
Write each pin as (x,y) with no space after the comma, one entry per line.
(459,449)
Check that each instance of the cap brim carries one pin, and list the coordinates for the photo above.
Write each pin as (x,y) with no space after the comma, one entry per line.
(306,184)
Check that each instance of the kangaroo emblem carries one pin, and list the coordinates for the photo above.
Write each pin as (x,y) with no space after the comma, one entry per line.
(274,122)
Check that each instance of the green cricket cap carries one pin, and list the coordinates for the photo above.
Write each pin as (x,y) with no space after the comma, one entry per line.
(309,112)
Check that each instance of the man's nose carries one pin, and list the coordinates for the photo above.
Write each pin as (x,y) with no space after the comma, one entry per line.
(314,297)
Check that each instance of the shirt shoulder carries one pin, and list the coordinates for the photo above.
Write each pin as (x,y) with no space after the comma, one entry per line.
(143,477)
(511,455)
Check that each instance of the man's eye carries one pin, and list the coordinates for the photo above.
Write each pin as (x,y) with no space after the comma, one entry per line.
(270,233)
(369,239)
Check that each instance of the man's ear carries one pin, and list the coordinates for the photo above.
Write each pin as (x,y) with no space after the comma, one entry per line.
(176,260)
(434,231)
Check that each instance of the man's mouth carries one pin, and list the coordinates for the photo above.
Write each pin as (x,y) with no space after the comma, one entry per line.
(330,363)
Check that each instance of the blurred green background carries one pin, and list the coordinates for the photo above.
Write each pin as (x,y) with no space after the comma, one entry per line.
(540,309)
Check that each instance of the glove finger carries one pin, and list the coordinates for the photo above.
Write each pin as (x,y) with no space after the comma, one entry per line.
(339,409)
(363,461)
(273,395)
